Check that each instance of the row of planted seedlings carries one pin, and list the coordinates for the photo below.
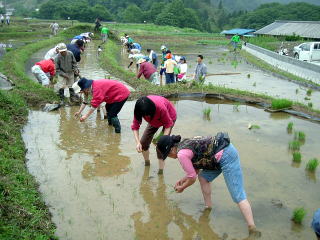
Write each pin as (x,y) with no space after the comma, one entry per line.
(299,138)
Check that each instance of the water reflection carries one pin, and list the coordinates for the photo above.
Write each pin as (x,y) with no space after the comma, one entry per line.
(162,214)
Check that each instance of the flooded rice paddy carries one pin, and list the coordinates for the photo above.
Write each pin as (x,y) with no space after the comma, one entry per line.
(97,187)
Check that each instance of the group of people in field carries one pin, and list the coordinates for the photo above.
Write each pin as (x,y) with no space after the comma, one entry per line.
(153,67)
(201,157)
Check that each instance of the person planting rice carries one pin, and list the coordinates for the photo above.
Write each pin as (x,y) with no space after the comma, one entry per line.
(148,70)
(158,112)
(44,71)
(208,157)
(112,92)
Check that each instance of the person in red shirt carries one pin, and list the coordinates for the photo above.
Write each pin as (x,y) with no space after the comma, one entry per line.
(148,70)
(158,112)
(113,92)
(44,71)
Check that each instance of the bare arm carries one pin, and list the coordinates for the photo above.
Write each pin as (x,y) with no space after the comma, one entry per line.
(92,109)
(137,139)
(184,183)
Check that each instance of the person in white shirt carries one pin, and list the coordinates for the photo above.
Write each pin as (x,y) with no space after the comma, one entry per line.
(8,19)
(2,19)
(183,68)
(53,52)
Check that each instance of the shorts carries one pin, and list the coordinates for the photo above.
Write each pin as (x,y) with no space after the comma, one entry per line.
(147,137)
(40,75)
(231,170)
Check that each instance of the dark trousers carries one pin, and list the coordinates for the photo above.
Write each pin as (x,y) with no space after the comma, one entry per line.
(169,78)
(114,108)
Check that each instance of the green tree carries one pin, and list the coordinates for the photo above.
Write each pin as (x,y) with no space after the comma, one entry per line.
(132,14)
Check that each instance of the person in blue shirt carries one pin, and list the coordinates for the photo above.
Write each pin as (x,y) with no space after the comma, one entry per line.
(135,46)
(76,49)
(153,58)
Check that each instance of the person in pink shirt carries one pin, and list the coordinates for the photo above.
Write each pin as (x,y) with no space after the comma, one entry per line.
(209,157)
(158,112)
(113,92)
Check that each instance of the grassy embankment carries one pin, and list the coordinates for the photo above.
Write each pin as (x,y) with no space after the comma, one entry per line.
(109,60)
(23,214)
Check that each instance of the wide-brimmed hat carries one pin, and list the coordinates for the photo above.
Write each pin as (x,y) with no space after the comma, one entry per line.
(141,60)
(84,83)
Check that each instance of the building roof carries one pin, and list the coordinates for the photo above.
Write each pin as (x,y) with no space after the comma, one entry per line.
(239,31)
(306,29)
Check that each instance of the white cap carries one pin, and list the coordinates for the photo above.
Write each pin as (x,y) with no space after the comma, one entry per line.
(163,47)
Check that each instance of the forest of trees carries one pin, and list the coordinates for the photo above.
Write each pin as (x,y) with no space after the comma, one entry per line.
(198,14)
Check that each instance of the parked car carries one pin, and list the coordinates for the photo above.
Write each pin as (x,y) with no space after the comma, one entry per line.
(309,51)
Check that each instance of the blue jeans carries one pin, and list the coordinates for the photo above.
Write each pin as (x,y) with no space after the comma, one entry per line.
(231,169)
(169,78)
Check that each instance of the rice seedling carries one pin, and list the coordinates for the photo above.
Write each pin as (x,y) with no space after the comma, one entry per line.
(310,105)
(157,137)
(248,75)
(309,92)
(236,107)
(290,127)
(206,112)
(300,136)
(210,62)
(297,91)
(294,145)
(296,157)
(312,165)
(254,126)
(307,99)
(298,215)
(254,84)
(280,104)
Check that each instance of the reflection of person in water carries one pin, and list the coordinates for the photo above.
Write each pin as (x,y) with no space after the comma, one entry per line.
(101,144)
(162,214)
(108,162)
(213,155)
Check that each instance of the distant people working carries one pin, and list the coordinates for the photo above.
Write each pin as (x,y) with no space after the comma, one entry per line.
(235,40)
(54,28)
(104,34)
(201,70)
(76,49)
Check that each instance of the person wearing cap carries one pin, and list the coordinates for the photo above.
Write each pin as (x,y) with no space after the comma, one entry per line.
(153,57)
(316,223)
(78,37)
(201,70)
(147,70)
(169,66)
(76,49)
(183,68)
(44,71)
(112,92)
(66,67)
(158,112)
(208,157)
(53,52)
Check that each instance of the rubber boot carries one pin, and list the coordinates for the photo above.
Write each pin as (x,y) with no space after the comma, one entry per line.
(116,124)
(73,96)
(109,119)
(61,95)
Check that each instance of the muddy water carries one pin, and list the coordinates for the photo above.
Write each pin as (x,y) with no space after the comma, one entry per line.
(97,187)
(219,60)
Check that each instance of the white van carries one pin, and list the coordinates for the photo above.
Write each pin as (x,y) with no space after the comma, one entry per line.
(309,51)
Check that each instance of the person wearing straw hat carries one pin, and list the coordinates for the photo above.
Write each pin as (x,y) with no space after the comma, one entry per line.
(148,70)
(66,68)
(112,92)
(208,157)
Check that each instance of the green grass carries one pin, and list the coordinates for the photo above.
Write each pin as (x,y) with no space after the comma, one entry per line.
(300,136)
(277,104)
(296,157)
(248,75)
(290,127)
(312,165)
(267,42)
(298,215)
(294,145)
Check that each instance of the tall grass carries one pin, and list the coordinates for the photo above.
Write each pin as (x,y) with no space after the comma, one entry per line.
(277,104)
